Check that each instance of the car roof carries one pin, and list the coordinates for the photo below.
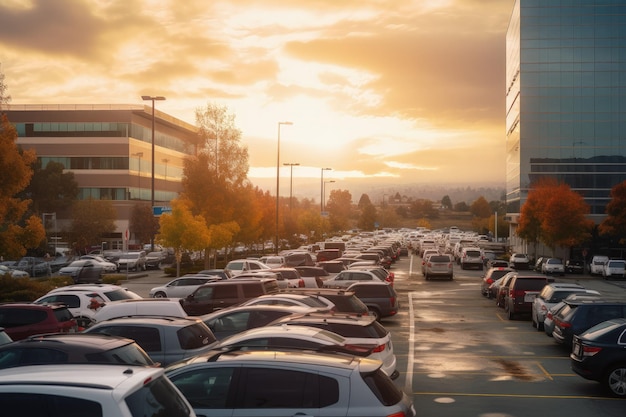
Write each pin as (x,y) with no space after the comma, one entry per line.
(328,317)
(98,341)
(151,319)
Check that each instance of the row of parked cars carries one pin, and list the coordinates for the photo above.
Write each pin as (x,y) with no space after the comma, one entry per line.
(592,326)
(282,352)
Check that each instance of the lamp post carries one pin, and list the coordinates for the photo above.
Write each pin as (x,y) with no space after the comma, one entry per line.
(152,99)
(291,165)
(324,194)
(278,179)
(382,223)
(139,155)
(322,189)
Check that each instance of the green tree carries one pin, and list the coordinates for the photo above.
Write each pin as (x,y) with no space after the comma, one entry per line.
(339,208)
(18,230)
(51,189)
(91,221)
(615,222)
(481,208)
(368,217)
(143,223)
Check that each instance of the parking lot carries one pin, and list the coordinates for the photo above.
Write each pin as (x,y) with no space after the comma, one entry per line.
(458,354)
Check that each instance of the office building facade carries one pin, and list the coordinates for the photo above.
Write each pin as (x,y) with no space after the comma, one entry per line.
(566,99)
(109,150)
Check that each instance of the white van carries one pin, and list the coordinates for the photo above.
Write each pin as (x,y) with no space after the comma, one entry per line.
(597,264)
(140,307)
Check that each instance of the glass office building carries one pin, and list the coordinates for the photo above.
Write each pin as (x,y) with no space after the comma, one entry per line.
(566,98)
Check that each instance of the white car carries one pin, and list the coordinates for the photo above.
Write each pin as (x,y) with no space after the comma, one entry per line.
(291,299)
(132,261)
(519,261)
(180,287)
(614,268)
(143,307)
(239,266)
(346,278)
(273,261)
(15,273)
(90,390)
(553,266)
(106,265)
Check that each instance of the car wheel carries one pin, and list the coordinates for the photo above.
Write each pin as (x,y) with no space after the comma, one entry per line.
(374,312)
(160,294)
(615,380)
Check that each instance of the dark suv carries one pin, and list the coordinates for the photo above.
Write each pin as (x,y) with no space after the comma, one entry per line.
(59,348)
(521,294)
(578,316)
(21,320)
(379,297)
(225,293)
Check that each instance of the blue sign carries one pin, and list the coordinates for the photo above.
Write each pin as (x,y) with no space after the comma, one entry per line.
(158,210)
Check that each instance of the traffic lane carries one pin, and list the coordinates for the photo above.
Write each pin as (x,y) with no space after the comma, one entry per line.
(464,350)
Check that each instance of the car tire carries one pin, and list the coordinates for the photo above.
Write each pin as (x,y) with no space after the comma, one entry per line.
(615,380)
(374,312)
(160,294)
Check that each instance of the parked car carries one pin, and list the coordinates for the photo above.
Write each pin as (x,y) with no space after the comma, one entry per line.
(597,264)
(240,266)
(357,331)
(273,261)
(382,273)
(57,348)
(503,289)
(142,307)
(291,299)
(225,293)
(599,354)
(521,293)
(548,321)
(471,258)
(519,261)
(550,295)
(290,276)
(132,261)
(107,266)
(21,320)
(14,273)
(4,337)
(165,339)
(290,383)
(299,258)
(90,390)
(574,266)
(490,277)
(155,259)
(36,267)
(236,319)
(180,287)
(83,271)
(222,273)
(380,298)
(108,292)
(344,301)
(346,278)
(539,263)
(578,316)
(313,276)
(553,266)
(439,266)
(614,268)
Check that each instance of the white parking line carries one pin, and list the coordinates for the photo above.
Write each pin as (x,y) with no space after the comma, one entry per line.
(408,381)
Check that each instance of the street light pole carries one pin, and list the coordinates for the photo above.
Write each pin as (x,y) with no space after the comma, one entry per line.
(291,165)
(322,190)
(152,99)
(324,193)
(278,180)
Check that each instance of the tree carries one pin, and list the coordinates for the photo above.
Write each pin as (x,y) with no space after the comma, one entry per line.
(368,217)
(481,208)
(18,231)
(339,207)
(554,215)
(143,223)
(91,221)
(446,202)
(51,189)
(615,222)
(364,200)
(182,231)
(461,206)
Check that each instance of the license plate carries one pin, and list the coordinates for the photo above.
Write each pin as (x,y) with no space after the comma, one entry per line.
(529,298)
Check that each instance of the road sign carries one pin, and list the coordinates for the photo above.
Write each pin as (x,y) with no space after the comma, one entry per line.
(158,210)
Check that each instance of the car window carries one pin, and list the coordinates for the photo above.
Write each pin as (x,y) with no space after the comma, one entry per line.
(128,354)
(155,399)
(47,405)
(205,387)
(195,336)
(149,338)
(203,293)
(383,387)
(283,388)
(63,314)
(14,317)
(118,294)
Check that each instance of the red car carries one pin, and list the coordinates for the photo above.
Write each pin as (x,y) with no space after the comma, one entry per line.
(21,320)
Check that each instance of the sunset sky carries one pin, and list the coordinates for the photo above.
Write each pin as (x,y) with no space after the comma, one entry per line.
(383,91)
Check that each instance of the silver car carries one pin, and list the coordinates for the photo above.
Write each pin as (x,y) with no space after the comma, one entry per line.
(549,296)
(180,287)
(288,383)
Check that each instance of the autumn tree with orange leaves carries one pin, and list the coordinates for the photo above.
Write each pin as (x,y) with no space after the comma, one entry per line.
(554,215)
(615,222)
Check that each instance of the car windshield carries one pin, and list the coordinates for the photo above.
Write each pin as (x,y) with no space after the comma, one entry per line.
(156,398)
(119,294)
(195,336)
(130,354)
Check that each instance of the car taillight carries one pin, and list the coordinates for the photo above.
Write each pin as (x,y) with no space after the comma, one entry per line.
(377,349)
(301,283)
(489,281)
(549,315)
(562,324)
(400,414)
(590,350)
(358,348)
